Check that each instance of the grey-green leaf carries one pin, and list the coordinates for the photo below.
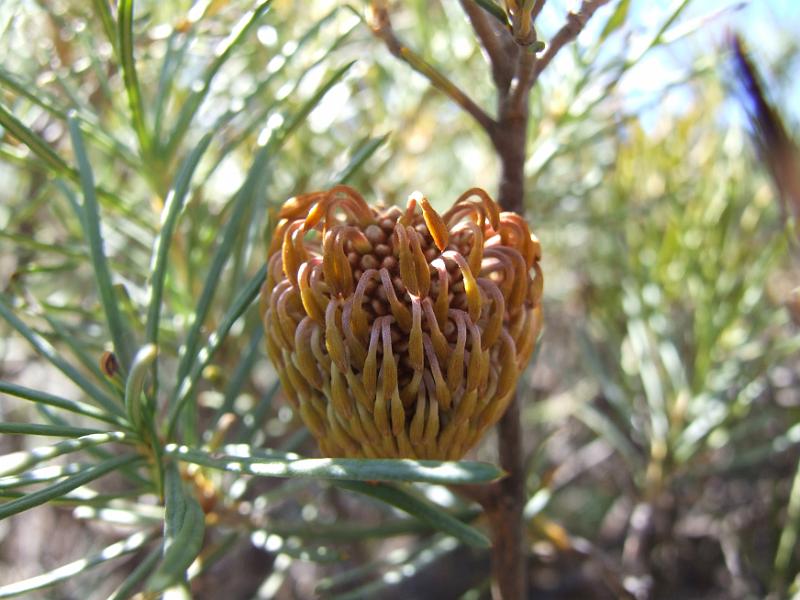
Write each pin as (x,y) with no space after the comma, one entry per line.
(67,485)
(184,529)
(91,222)
(616,20)
(344,469)
(126,546)
(17,462)
(424,510)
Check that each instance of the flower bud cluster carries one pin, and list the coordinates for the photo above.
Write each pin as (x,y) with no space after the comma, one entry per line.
(400,333)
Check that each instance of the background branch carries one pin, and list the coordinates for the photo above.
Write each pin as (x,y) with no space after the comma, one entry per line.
(382,28)
(574,25)
(537,8)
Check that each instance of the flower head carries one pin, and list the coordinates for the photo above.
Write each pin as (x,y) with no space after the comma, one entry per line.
(400,333)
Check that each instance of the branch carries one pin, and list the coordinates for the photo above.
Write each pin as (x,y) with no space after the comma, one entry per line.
(537,8)
(503,502)
(508,566)
(524,78)
(382,28)
(529,69)
(495,40)
(574,25)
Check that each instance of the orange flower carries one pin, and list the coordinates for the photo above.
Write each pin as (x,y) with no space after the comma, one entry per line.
(400,333)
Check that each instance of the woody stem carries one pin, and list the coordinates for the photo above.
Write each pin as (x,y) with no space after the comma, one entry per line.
(515,70)
(505,503)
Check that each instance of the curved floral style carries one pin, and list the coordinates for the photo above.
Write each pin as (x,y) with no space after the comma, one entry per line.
(400,334)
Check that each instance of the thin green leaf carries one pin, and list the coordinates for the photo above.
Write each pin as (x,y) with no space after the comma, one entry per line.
(422,509)
(788,539)
(294,548)
(43,347)
(289,54)
(40,475)
(616,20)
(184,529)
(138,229)
(142,570)
(37,269)
(246,362)
(697,23)
(642,348)
(537,503)
(95,451)
(175,501)
(657,38)
(169,219)
(223,52)
(408,567)
(18,391)
(89,126)
(67,485)
(253,421)
(240,459)
(17,462)
(84,496)
(360,157)
(350,531)
(71,337)
(129,75)
(494,9)
(91,221)
(219,551)
(103,11)
(126,546)
(242,302)
(605,427)
(397,557)
(169,70)
(244,197)
(253,102)
(145,357)
(46,430)
(31,92)
(33,141)
(123,513)
(25,241)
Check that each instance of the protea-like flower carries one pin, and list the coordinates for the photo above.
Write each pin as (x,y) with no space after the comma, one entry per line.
(400,334)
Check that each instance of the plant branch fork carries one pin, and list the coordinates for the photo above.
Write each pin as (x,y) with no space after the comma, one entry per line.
(511,51)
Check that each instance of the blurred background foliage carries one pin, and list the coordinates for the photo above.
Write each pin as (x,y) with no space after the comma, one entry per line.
(660,415)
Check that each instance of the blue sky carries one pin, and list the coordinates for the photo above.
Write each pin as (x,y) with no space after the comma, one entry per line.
(767,26)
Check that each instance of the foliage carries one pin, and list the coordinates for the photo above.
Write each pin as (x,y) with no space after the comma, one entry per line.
(144,149)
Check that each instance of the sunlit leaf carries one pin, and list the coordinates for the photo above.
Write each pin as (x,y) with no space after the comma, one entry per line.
(120,334)
(424,510)
(129,73)
(81,408)
(67,485)
(240,459)
(48,430)
(17,462)
(127,546)
(184,529)
(242,200)
(616,20)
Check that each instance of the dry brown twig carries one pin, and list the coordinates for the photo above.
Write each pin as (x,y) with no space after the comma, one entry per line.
(515,70)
